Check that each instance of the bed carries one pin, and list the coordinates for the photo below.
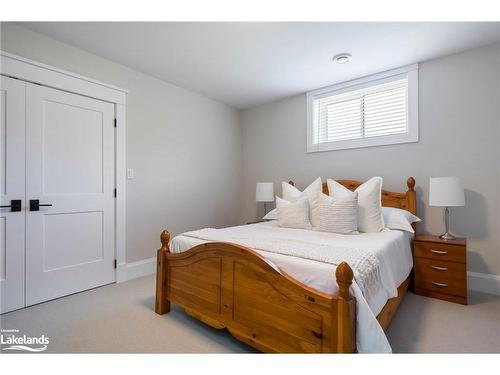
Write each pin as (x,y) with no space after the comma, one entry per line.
(271,302)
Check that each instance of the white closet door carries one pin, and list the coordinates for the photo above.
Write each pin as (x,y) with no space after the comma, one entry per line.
(69,165)
(12,159)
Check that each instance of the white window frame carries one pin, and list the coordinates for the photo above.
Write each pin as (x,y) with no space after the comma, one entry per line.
(411,71)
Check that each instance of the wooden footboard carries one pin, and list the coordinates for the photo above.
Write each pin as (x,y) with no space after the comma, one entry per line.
(230,286)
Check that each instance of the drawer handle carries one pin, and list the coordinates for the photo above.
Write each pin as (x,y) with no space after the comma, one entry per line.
(440,268)
(441,285)
(439,252)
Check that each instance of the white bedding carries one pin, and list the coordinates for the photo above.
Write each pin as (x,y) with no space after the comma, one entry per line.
(391,247)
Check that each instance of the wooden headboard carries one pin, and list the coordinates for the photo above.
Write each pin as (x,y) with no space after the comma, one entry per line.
(406,201)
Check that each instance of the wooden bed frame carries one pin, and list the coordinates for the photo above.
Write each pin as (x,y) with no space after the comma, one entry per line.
(230,286)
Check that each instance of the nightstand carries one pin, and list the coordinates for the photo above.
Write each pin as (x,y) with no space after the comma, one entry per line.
(440,268)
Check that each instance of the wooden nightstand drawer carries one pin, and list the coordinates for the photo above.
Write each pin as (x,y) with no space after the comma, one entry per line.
(440,251)
(441,277)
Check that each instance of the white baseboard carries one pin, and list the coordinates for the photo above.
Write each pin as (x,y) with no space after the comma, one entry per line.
(133,270)
(484,282)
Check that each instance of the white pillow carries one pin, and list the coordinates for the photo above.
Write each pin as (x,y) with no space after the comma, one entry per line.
(293,214)
(396,218)
(336,215)
(291,193)
(271,215)
(370,217)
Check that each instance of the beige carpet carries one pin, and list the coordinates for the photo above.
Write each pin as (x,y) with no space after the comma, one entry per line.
(120,318)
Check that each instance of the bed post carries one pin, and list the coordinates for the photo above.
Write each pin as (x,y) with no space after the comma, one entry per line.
(411,196)
(345,311)
(411,199)
(162,305)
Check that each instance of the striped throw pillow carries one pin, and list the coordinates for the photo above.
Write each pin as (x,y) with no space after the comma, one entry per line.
(336,215)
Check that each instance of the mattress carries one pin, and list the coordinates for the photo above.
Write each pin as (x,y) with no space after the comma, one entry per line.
(391,247)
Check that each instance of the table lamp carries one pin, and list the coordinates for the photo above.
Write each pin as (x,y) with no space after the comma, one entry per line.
(446,192)
(264,192)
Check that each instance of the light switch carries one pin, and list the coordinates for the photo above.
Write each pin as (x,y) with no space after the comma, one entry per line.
(130,173)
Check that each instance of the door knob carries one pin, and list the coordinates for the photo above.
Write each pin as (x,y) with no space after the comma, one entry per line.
(15,205)
(35,205)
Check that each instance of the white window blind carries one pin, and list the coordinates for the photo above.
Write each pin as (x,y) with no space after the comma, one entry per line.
(374,112)
(371,112)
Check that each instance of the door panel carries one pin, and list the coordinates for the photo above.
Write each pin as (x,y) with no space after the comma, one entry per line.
(80,231)
(3,248)
(12,186)
(73,155)
(70,165)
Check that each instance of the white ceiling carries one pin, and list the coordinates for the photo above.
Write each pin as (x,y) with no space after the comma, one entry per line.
(247,64)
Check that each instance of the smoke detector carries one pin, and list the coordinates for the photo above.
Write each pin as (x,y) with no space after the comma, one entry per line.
(342,58)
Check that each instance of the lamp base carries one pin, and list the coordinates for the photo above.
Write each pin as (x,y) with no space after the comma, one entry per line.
(447,236)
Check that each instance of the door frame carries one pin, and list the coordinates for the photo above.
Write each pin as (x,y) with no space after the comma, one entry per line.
(32,71)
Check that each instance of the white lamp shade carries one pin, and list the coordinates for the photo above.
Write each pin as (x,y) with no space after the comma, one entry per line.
(264,192)
(446,192)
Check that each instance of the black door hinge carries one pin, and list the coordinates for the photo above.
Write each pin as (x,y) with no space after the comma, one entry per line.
(115,263)
(115,123)
(114,192)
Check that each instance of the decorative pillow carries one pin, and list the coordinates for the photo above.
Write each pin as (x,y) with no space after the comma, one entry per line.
(370,217)
(396,218)
(336,215)
(271,215)
(291,193)
(293,214)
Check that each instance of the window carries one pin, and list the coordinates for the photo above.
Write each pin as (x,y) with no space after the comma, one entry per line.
(378,110)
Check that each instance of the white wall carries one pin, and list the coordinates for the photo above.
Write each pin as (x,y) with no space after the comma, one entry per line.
(459,98)
(182,184)
(172,133)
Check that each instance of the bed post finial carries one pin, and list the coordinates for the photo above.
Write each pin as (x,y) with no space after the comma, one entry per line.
(344,277)
(165,239)
(344,311)
(411,198)
(410,183)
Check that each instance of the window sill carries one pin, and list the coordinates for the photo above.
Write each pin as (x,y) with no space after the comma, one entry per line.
(362,143)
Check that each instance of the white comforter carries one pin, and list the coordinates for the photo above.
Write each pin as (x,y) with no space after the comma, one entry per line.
(391,247)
